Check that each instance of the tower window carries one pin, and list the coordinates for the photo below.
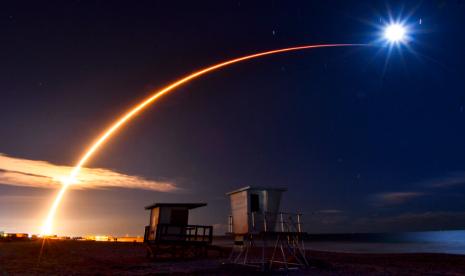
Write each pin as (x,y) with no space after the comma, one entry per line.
(254,203)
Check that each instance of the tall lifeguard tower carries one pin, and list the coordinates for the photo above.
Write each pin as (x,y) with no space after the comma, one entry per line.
(257,222)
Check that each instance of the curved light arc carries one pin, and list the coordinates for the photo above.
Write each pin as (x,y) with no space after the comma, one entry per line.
(47,226)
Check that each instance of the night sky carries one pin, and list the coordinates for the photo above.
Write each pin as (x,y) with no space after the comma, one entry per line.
(363,142)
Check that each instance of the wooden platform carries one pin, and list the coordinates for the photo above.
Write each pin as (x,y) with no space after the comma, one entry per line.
(179,241)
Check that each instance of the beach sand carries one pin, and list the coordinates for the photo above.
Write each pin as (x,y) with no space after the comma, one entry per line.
(105,258)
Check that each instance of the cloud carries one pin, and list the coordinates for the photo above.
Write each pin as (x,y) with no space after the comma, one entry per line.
(395,198)
(452,179)
(42,174)
(326,221)
(15,199)
(430,220)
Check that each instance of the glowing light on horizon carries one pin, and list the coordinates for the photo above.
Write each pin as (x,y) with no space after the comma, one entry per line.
(48,224)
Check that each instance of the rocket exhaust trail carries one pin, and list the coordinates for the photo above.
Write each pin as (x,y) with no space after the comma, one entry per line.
(132,112)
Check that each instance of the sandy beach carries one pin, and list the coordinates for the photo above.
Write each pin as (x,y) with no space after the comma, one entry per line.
(105,258)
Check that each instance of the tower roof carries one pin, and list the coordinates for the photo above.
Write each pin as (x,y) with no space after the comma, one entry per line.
(182,205)
(258,188)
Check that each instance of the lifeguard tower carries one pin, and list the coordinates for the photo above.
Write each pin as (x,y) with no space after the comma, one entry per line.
(169,232)
(264,236)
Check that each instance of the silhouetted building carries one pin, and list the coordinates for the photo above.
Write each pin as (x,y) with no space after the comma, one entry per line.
(169,231)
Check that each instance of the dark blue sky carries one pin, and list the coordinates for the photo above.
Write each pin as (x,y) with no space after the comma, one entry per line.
(361,145)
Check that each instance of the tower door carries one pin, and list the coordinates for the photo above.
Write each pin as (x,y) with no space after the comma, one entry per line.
(254,203)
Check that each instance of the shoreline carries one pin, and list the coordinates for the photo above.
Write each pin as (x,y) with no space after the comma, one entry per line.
(88,257)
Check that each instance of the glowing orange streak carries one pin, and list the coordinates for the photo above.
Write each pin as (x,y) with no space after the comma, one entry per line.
(47,227)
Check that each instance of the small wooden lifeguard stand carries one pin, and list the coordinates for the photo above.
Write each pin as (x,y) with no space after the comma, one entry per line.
(170,233)
(256,222)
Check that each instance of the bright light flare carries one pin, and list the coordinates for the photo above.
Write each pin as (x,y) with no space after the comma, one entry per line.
(395,33)
(48,224)
(135,110)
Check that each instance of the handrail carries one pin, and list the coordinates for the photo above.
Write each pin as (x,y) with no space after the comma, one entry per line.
(183,233)
(269,221)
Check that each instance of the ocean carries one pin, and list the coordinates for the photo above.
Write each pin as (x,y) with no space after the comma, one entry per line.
(450,242)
